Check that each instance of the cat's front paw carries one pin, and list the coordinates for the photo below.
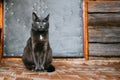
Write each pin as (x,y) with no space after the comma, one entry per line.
(39,70)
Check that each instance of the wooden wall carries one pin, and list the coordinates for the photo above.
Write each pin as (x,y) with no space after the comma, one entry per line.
(104,27)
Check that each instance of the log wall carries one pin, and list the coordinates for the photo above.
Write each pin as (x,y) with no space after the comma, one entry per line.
(104,28)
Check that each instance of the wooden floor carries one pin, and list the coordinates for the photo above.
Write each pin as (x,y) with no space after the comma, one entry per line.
(75,69)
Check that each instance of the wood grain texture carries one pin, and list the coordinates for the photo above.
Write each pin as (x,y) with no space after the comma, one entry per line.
(104,20)
(85,29)
(104,6)
(103,0)
(0,13)
(1,27)
(106,34)
(104,28)
(104,50)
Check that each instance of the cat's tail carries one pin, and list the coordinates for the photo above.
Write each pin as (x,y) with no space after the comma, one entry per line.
(50,68)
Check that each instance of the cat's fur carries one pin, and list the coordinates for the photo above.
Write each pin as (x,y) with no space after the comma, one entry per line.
(37,54)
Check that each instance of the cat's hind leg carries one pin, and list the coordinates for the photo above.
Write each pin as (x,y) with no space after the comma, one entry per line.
(50,68)
(29,65)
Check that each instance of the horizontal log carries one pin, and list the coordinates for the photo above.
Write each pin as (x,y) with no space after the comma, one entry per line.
(104,34)
(104,20)
(105,40)
(104,27)
(104,6)
(104,50)
(103,0)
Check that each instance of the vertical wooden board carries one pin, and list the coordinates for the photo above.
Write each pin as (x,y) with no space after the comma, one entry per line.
(85,29)
(0,14)
(1,25)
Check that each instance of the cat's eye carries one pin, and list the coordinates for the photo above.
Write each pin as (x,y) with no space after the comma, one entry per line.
(44,23)
(37,22)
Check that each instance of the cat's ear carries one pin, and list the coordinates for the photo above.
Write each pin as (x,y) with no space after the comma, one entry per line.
(34,16)
(47,18)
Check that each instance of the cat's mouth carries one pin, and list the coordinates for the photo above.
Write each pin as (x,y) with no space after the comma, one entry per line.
(42,30)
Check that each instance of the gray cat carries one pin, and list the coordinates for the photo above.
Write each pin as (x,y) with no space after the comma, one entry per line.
(37,54)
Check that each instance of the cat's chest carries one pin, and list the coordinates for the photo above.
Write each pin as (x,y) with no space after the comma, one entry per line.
(41,37)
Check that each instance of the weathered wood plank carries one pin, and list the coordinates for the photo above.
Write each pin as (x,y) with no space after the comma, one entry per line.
(104,19)
(104,50)
(1,14)
(104,27)
(1,27)
(104,39)
(104,6)
(104,34)
(103,0)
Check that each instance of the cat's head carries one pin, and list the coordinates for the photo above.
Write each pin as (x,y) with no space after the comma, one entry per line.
(40,24)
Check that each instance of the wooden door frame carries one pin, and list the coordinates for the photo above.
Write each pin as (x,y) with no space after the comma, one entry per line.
(85,28)
(2,28)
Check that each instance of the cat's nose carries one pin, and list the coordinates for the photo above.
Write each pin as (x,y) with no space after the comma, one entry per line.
(40,27)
